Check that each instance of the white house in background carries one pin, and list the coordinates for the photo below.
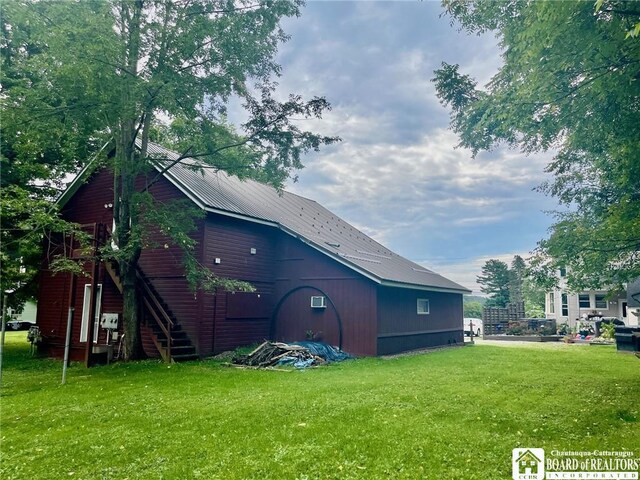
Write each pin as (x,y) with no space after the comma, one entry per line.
(633,302)
(570,308)
(29,312)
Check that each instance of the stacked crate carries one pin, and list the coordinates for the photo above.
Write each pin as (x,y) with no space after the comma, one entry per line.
(495,320)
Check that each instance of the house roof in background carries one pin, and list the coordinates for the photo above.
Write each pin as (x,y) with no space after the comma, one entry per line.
(219,192)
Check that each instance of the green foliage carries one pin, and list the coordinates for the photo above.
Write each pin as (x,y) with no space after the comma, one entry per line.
(516,279)
(494,279)
(43,138)
(564,329)
(533,310)
(534,296)
(76,75)
(27,219)
(518,330)
(607,330)
(569,85)
(472,309)
(510,285)
(274,425)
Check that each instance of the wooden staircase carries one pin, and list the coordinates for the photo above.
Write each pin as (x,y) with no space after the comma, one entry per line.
(170,339)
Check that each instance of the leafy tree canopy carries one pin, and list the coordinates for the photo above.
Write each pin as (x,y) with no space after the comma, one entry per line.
(570,85)
(472,309)
(78,74)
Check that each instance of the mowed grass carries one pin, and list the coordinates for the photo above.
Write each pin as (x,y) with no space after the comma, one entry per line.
(448,414)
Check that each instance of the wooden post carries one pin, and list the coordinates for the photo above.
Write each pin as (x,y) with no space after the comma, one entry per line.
(4,327)
(72,305)
(67,345)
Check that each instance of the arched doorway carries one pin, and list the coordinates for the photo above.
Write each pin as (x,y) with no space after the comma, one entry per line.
(294,319)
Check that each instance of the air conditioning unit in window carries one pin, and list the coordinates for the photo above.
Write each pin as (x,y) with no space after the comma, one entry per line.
(318,302)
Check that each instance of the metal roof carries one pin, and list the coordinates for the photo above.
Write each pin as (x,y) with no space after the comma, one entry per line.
(305,219)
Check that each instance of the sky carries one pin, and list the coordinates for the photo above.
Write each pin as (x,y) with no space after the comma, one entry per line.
(397,174)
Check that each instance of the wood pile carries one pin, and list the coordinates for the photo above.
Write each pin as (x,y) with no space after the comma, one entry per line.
(270,354)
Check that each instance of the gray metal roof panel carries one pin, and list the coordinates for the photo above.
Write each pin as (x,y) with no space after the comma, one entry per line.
(300,216)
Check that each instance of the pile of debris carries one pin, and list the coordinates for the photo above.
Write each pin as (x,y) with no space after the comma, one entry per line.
(299,355)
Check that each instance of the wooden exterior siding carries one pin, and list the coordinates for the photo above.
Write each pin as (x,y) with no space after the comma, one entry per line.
(285,271)
(162,264)
(53,308)
(401,328)
(352,299)
(86,207)
(233,319)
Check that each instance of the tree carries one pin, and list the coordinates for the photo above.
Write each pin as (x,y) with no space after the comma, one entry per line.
(472,309)
(517,274)
(495,282)
(41,141)
(129,63)
(569,84)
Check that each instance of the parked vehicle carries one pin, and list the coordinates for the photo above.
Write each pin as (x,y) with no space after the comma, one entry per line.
(472,325)
(19,325)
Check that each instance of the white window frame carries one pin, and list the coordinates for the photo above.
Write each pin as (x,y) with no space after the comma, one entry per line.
(552,302)
(86,304)
(564,304)
(588,307)
(318,298)
(423,310)
(604,299)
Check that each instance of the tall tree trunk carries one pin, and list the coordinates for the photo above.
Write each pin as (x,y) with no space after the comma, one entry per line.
(128,219)
(127,170)
(132,314)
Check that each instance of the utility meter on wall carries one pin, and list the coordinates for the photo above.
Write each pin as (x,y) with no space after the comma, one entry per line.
(109,321)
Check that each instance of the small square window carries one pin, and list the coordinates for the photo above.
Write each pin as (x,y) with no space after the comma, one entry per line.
(423,306)
(584,301)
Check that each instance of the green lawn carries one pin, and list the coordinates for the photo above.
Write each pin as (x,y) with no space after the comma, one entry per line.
(453,413)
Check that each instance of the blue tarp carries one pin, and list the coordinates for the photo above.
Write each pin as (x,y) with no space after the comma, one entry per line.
(325,351)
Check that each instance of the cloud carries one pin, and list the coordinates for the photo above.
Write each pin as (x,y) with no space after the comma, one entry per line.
(397,175)
(466,272)
(429,201)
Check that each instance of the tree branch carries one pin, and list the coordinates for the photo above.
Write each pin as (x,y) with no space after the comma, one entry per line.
(232,10)
(214,152)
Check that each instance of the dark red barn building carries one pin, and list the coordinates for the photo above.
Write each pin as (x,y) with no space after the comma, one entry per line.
(314,275)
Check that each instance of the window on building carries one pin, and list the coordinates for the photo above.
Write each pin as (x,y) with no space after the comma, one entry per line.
(86,303)
(423,306)
(565,305)
(552,303)
(563,272)
(601,301)
(584,301)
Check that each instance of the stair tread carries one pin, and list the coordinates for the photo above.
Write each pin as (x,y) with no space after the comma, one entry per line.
(183,348)
(184,358)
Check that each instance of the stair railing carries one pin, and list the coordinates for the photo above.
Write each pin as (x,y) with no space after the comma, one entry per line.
(151,301)
(159,314)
